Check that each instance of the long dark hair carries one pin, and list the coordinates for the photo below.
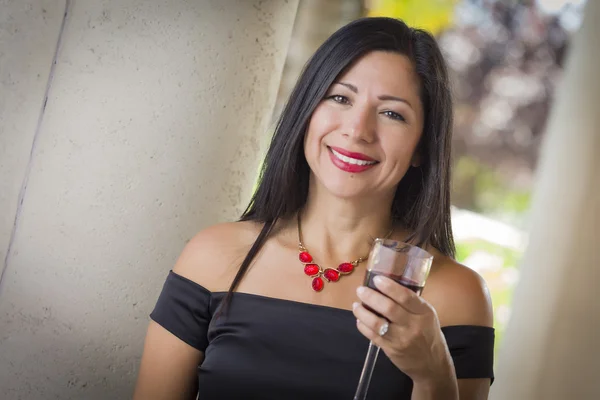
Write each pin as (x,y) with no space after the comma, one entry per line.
(422,200)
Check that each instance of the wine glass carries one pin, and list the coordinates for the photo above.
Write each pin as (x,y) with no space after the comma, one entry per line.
(403,263)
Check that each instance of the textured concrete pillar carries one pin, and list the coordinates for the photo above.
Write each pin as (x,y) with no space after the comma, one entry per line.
(551,348)
(29,33)
(153,128)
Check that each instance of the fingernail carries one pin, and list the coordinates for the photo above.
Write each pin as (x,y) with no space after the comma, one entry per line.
(378,280)
(355,305)
(360,290)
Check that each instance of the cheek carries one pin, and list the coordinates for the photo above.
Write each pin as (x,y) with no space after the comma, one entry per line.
(320,124)
(311,144)
(323,120)
(399,152)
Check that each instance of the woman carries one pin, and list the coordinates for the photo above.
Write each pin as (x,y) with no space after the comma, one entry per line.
(362,150)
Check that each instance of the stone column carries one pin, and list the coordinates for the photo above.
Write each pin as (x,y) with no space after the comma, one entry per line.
(29,32)
(153,128)
(551,348)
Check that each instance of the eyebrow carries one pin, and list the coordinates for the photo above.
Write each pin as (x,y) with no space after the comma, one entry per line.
(382,97)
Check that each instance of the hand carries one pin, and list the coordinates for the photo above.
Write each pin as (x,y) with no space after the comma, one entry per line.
(413,342)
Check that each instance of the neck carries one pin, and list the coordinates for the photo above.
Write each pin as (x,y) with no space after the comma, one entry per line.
(336,229)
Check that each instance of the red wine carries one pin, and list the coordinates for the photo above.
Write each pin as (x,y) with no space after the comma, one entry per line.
(407,283)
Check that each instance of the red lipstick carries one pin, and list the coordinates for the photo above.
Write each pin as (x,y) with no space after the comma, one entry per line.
(358,156)
(349,167)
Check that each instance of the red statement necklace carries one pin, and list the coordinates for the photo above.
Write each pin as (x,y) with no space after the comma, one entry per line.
(315,271)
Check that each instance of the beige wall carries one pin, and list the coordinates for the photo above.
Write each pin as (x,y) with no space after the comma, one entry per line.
(29,32)
(153,130)
(551,348)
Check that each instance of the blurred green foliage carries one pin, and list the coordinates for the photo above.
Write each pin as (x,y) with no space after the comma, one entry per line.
(480,188)
(501,289)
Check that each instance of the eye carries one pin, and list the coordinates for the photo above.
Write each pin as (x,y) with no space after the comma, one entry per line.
(393,115)
(339,99)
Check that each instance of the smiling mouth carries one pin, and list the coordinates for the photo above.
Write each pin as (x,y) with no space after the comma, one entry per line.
(350,160)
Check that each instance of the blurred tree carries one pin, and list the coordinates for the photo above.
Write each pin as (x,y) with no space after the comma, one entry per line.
(505,59)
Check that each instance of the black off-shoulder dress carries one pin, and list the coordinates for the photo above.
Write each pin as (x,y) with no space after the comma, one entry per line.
(266,348)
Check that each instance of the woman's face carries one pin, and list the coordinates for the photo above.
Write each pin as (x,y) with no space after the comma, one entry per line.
(363,136)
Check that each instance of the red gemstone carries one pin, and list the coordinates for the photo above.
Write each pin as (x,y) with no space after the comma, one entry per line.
(345,268)
(311,269)
(305,257)
(317,284)
(331,275)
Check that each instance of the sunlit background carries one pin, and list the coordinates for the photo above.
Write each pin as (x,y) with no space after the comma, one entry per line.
(126,126)
(506,59)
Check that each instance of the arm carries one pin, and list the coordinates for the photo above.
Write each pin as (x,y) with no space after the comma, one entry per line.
(449,387)
(460,297)
(169,367)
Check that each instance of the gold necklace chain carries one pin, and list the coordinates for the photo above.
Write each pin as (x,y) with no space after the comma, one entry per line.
(313,269)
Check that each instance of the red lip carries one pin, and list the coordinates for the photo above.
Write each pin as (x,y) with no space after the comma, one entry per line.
(347,167)
(357,156)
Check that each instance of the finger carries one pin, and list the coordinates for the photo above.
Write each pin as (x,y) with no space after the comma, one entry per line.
(401,295)
(371,334)
(367,317)
(381,304)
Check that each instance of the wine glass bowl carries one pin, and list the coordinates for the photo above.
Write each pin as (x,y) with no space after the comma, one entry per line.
(406,264)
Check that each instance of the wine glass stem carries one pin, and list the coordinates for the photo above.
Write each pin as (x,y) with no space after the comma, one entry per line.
(367,372)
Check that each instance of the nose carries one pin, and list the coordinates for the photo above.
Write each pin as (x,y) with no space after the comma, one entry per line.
(361,124)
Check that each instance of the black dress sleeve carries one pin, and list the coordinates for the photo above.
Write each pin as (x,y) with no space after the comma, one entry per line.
(472,350)
(183,309)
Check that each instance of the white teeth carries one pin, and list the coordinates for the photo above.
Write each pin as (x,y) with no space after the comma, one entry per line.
(351,160)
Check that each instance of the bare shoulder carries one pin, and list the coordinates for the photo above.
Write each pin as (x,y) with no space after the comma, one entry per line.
(212,257)
(459,295)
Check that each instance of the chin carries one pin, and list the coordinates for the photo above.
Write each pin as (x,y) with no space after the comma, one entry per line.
(346,190)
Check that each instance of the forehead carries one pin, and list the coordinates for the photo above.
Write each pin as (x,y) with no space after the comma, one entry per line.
(384,71)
